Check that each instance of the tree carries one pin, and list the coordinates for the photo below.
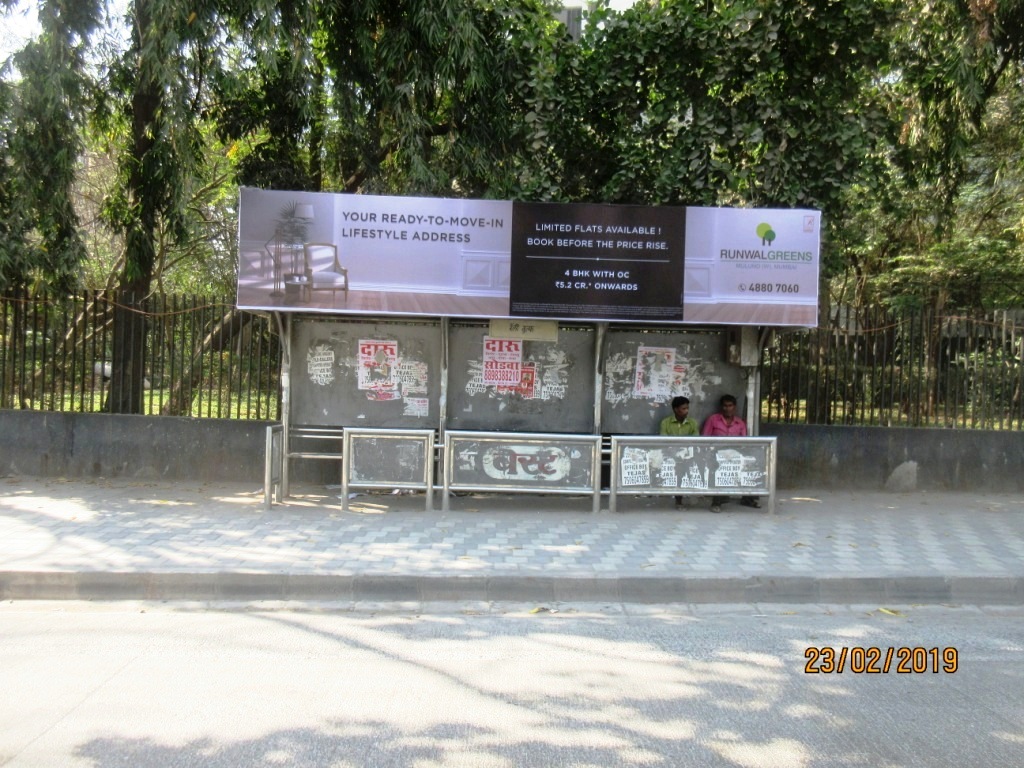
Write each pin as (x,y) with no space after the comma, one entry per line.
(152,107)
(431,96)
(267,97)
(971,257)
(741,103)
(16,253)
(941,231)
(895,119)
(941,227)
(41,118)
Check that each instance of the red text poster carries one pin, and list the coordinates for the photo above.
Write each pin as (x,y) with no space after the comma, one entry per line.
(503,361)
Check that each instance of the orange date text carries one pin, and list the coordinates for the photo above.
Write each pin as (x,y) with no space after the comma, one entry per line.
(876,660)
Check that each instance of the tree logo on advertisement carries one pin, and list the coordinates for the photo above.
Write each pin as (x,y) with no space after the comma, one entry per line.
(766,233)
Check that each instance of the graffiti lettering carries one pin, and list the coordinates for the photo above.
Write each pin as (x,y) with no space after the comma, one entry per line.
(510,462)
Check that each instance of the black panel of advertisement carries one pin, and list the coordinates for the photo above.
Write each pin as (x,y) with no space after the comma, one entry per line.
(608,262)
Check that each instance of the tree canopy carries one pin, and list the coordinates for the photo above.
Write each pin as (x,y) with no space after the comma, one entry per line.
(897,119)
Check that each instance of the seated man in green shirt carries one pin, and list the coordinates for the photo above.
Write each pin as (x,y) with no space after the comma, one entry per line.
(680,424)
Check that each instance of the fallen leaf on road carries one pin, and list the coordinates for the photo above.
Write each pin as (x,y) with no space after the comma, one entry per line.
(890,612)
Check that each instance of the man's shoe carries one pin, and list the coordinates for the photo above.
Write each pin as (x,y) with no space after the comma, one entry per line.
(751,503)
(716,507)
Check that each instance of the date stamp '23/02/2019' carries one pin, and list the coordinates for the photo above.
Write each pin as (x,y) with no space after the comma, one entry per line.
(874,659)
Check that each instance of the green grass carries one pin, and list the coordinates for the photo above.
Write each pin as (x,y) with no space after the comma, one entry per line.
(962,418)
(204,405)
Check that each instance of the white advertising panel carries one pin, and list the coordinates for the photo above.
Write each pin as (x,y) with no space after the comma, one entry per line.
(394,255)
(755,266)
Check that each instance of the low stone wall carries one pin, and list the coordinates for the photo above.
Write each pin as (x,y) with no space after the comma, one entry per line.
(898,459)
(82,445)
(143,447)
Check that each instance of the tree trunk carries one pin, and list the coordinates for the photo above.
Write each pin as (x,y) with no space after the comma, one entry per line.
(128,357)
(144,193)
(14,335)
(817,385)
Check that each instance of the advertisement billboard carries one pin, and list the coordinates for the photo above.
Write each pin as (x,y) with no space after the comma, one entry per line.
(752,266)
(389,255)
(622,262)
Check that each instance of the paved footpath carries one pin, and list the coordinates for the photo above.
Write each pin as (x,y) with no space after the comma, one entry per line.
(119,539)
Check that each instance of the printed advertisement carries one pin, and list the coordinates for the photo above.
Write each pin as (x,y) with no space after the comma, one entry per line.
(655,373)
(378,369)
(635,468)
(506,462)
(757,266)
(418,407)
(496,259)
(597,261)
(702,466)
(503,360)
(320,365)
(527,386)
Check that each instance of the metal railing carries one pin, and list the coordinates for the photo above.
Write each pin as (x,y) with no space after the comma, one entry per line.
(918,369)
(201,357)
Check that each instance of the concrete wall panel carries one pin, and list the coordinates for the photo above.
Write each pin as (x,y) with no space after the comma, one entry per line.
(84,445)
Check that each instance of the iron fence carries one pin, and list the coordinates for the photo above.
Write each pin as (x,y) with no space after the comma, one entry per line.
(205,358)
(201,357)
(878,368)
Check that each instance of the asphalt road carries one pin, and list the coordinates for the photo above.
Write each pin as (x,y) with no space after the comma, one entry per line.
(162,684)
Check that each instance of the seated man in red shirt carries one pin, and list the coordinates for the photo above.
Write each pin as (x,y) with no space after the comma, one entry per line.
(726,423)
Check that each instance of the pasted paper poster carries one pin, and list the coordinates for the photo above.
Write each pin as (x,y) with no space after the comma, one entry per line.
(413,376)
(416,406)
(320,364)
(378,368)
(655,372)
(635,467)
(730,465)
(526,388)
(503,360)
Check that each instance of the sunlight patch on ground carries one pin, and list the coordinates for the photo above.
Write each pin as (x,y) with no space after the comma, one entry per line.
(780,753)
(66,509)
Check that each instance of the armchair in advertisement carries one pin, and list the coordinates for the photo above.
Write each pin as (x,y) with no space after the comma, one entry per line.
(323,270)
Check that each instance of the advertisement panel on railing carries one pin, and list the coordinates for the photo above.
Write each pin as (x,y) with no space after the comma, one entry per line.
(386,255)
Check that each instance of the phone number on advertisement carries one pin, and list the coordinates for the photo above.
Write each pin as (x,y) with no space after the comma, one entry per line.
(770,287)
(875,660)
